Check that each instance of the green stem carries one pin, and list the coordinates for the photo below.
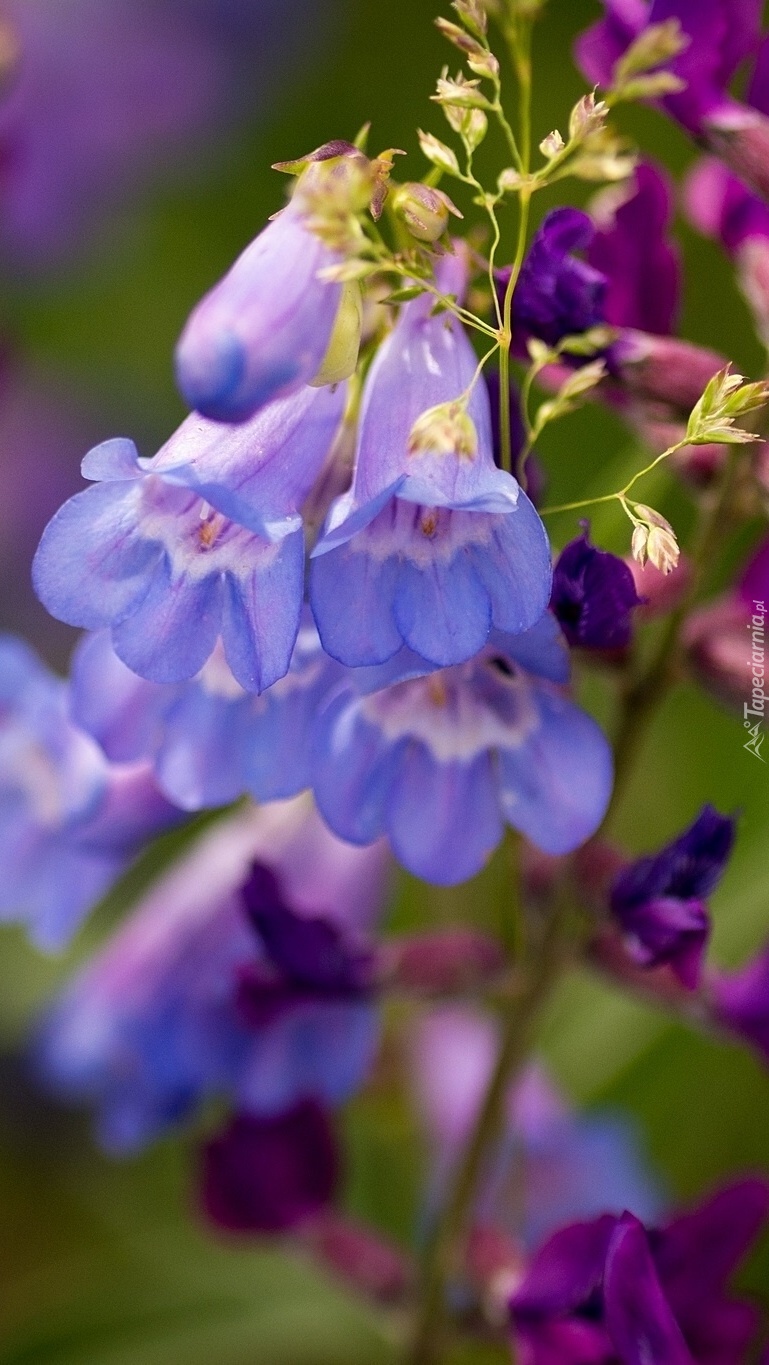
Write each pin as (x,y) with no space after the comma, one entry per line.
(441,1260)
(506,337)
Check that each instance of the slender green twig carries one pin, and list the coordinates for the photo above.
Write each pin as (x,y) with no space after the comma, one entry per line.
(545,969)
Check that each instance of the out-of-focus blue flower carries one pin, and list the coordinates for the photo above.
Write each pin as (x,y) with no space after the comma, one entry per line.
(660,901)
(440,763)
(551,1165)
(104,95)
(593,597)
(156,1023)
(263,331)
(208,740)
(433,545)
(720,33)
(270,1174)
(202,542)
(613,1290)
(633,250)
(558,294)
(69,822)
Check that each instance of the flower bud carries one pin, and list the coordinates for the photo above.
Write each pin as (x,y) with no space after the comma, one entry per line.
(667,369)
(444,962)
(660,592)
(740,137)
(341,357)
(753,276)
(446,429)
(424,210)
(359,1256)
(717,651)
(654,539)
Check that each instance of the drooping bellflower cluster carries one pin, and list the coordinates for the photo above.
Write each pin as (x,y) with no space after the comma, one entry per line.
(328,581)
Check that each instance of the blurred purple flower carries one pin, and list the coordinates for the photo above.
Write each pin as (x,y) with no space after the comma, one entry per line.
(432,546)
(209,741)
(70,822)
(613,1291)
(720,33)
(660,901)
(557,294)
(550,1165)
(270,1174)
(633,250)
(740,1001)
(441,762)
(155,1023)
(201,542)
(263,330)
(104,94)
(593,597)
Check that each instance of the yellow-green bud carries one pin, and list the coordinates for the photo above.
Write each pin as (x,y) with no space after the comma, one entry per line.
(446,429)
(342,354)
(424,210)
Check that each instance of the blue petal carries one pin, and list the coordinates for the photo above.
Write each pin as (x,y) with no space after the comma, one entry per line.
(556,787)
(124,712)
(516,567)
(351,594)
(443,819)
(541,650)
(173,630)
(353,769)
(200,760)
(92,564)
(442,610)
(262,606)
(115,459)
(319,1051)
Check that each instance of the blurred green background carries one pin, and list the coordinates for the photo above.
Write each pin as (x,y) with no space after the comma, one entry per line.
(107,1264)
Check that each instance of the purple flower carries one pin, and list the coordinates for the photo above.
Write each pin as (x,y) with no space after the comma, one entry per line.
(633,251)
(102,97)
(550,1165)
(307,960)
(740,1001)
(208,740)
(270,1174)
(719,205)
(441,763)
(263,331)
(156,1023)
(660,901)
(720,33)
(593,597)
(70,823)
(431,547)
(203,541)
(611,1292)
(557,294)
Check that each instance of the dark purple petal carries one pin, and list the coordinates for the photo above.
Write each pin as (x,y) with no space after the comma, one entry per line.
(667,930)
(741,1001)
(268,1175)
(567,1271)
(688,868)
(557,294)
(600,47)
(697,1252)
(639,1319)
(641,265)
(570,1342)
(593,596)
(310,952)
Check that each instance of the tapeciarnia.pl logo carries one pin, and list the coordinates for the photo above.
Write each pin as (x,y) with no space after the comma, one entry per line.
(754,710)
